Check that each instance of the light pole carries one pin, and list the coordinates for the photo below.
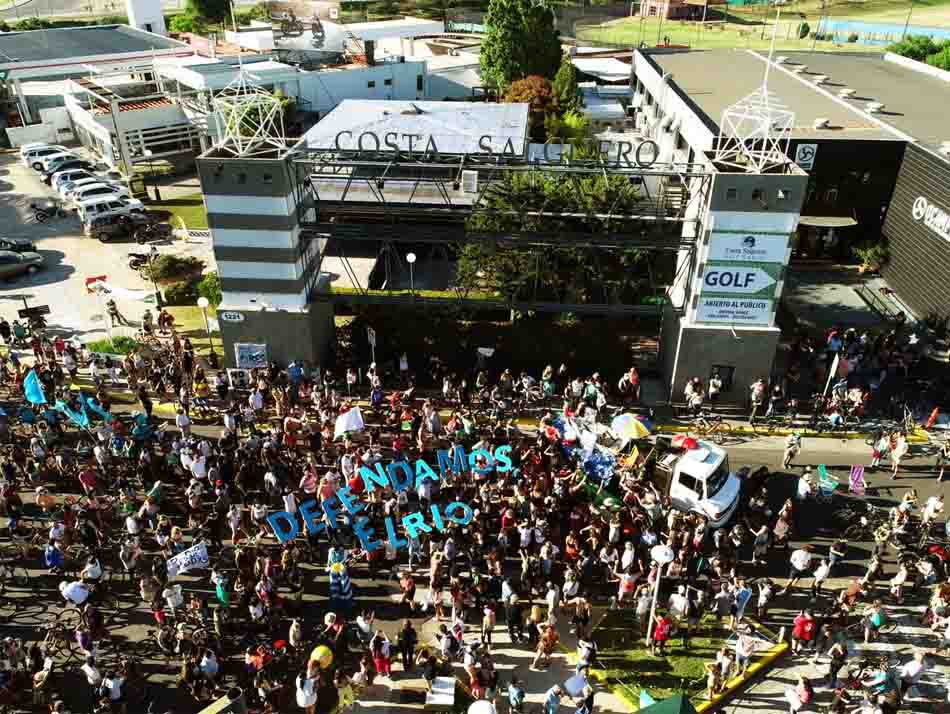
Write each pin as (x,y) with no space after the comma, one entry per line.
(662,554)
(907,21)
(411,259)
(204,305)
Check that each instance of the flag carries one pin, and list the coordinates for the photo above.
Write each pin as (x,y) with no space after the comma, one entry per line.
(90,403)
(341,587)
(352,420)
(33,388)
(195,557)
(80,419)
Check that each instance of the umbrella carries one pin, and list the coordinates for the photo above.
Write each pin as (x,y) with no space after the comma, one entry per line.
(677,704)
(684,441)
(627,426)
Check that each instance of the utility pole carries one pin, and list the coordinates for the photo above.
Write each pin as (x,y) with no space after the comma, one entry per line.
(907,21)
(814,39)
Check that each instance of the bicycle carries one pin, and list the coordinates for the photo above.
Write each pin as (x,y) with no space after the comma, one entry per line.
(44,213)
(711,427)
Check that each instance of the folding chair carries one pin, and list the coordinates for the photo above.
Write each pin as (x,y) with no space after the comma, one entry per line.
(856,483)
(826,484)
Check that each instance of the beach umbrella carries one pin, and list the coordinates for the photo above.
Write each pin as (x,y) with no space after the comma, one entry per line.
(645,420)
(627,426)
(322,655)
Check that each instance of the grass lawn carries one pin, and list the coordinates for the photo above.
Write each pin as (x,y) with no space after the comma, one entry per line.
(629,667)
(189,210)
(925,12)
(190,324)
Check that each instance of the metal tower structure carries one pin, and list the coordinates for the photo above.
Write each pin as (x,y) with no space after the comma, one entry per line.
(252,119)
(754,132)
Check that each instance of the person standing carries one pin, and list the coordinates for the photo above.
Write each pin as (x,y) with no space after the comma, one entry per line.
(880,449)
(515,696)
(799,563)
(820,575)
(910,673)
(306,693)
(552,699)
(408,637)
(943,458)
(793,446)
(899,452)
(839,655)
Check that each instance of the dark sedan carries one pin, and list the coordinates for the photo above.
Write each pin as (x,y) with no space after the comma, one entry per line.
(17,245)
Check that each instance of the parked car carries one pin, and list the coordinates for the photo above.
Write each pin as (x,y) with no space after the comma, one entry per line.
(52,161)
(65,166)
(69,190)
(95,190)
(18,245)
(33,156)
(62,177)
(27,148)
(100,206)
(13,264)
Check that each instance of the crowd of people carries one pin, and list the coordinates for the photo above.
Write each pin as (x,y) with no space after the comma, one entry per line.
(542,546)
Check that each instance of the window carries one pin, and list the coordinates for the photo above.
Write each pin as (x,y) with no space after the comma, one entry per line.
(757,194)
(148,26)
(717,479)
(419,80)
(680,142)
(732,194)
(831,195)
(687,481)
(268,178)
(387,83)
(242,177)
(784,194)
(371,84)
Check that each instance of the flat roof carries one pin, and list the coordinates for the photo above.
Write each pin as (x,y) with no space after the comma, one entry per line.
(915,102)
(73,43)
(455,127)
(717,79)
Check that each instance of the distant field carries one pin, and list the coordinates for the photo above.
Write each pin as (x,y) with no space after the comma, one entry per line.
(750,26)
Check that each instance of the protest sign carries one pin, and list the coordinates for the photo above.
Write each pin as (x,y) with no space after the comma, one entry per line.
(195,557)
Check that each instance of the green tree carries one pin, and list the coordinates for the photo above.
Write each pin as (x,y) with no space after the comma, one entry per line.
(567,96)
(915,47)
(384,7)
(572,128)
(209,10)
(210,287)
(437,9)
(536,92)
(520,41)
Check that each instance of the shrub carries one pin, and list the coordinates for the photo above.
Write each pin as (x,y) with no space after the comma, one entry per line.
(258,12)
(121,345)
(803,30)
(210,287)
(184,23)
(941,59)
(915,47)
(872,254)
(174,267)
(184,292)
(30,23)
(853,37)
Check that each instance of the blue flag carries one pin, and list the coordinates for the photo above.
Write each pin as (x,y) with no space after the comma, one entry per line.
(90,403)
(80,419)
(33,389)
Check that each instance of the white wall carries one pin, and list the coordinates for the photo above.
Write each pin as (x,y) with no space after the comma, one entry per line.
(33,132)
(453,83)
(258,40)
(58,117)
(324,90)
(152,118)
(146,15)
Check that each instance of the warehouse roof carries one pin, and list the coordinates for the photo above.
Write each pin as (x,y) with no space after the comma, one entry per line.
(75,43)
(716,79)
(915,96)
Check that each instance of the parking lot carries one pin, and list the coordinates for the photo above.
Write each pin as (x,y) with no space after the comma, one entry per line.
(69,258)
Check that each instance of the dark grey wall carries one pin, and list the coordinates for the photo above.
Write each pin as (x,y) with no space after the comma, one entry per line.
(745,186)
(230,176)
(702,348)
(289,336)
(919,268)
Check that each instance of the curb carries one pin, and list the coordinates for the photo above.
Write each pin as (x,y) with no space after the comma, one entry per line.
(918,437)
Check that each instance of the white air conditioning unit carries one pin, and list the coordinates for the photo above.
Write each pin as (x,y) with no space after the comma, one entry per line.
(782,59)
(470,181)
(945,148)
(874,107)
(800,68)
(821,123)
(820,78)
(846,92)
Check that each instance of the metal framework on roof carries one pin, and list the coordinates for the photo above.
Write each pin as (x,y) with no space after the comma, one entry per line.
(253,118)
(754,133)
(385,203)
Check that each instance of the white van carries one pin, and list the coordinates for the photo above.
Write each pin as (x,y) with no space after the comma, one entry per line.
(700,481)
(108,206)
(33,156)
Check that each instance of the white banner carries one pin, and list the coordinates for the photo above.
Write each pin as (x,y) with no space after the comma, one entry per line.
(195,557)
(753,248)
(350,421)
(734,311)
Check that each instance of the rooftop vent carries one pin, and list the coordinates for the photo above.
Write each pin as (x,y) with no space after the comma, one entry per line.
(821,123)
(800,68)
(874,107)
(945,148)
(846,92)
(782,59)
(821,78)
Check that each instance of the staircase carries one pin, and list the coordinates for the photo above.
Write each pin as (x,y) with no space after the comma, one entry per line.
(353,47)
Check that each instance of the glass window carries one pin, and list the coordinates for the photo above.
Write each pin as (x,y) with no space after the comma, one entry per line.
(419,81)
(718,479)
(387,82)
(691,483)
(371,84)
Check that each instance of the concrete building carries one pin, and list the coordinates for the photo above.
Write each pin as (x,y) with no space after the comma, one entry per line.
(146,15)
(679,9)
(35,63)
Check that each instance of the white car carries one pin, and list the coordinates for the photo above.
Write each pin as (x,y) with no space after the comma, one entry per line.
(61,178)
(48,163)
(27,148)
(108,206)
(67,189)
(35,155)
(100,190)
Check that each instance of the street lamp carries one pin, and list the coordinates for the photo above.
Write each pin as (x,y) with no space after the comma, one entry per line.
(204,305)
(151,174)
(411,259)
(661,554)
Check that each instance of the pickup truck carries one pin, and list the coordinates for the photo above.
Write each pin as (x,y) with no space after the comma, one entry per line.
(699,481)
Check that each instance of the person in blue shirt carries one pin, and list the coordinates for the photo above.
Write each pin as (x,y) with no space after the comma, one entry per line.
(552,700)
(516,695)
(54,557)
